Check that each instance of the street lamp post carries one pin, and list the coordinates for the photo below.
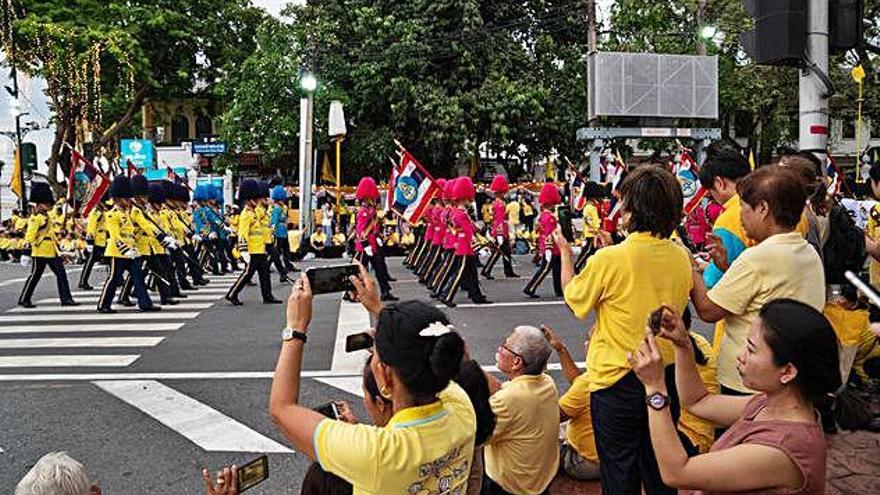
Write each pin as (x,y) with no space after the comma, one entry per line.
(16,109)
(308,84)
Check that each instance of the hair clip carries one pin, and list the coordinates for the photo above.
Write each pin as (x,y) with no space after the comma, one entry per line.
(436,329)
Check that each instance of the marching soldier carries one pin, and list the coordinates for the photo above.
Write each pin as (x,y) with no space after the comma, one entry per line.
(366,244)
(40,237)
(500,230)
(96,238)
(252,245)
(432,234)
(448,237)
(278,227)
(549,252)
(592,224)
(122,250)
(463,265)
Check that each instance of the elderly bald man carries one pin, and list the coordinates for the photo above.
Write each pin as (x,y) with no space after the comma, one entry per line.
(522,456)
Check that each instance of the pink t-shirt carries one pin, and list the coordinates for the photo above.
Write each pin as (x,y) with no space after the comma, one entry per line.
(803,443)
(546,224)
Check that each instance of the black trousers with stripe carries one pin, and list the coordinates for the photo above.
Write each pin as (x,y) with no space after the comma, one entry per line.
(38,265)
(462,273)
(555,266)
(119,267)
(443,271)
(582,258)
(155,264)
(95,256)
(380,268)
(503,252)
(259,264)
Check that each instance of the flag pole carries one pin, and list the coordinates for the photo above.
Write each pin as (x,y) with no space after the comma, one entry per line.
(338,176)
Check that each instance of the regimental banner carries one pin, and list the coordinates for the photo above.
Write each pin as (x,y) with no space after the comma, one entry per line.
(413,189)
(88,183)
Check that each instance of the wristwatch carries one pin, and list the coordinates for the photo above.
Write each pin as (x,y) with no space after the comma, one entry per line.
(290,334)
(657,401)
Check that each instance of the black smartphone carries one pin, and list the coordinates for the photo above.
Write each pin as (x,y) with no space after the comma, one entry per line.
(253,473)
(330,410)
(327,279)
(358,341)
(655,320)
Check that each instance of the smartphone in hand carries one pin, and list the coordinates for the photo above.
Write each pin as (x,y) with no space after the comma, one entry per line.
(328,279)
(330,410)
(358,341)
(253,473)
(655,320)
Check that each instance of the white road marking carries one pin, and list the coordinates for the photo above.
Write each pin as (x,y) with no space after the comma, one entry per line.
(208,289)
(350,384)
(58,361)
(46,273)
(198,423)
(353,318)
(98,327)
(67,342)
(506,304)
(57,308)
(159,315)
(93,299)
(198,375)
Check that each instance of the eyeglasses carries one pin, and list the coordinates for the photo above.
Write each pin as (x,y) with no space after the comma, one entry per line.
(508,349)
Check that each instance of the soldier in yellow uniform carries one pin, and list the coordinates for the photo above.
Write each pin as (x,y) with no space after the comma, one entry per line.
(40,237)
(252,245)
(170,213)
(122,250)
(96,238)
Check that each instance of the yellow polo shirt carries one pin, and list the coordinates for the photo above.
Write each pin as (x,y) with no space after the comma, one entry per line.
(782,266)
(523,454)
(425,449)
(513,213)
(624,284)
(576,405)
(701,432)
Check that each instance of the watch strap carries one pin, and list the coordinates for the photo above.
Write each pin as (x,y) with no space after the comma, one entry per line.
(290,334)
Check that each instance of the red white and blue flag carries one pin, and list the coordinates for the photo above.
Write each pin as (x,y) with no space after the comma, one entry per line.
(577,185)
(687,173)
(413,189)
(86,184)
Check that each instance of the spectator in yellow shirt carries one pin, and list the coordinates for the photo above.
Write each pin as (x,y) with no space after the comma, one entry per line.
(427,445)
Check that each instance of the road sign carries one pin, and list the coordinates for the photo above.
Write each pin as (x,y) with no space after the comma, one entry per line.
(139,152)
(209,149)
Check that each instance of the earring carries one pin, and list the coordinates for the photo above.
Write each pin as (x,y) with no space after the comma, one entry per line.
(385,392)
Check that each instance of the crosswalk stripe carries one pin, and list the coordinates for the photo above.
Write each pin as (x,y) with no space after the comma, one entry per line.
(350,384)
(92,309)
(162,315)
(195,421)
(94,298)
(99,327)
(507,304)
(76,361)
(80,342)
(353,318)
(208,289)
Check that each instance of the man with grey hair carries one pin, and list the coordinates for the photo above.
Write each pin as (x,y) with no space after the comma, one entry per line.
(522,456)
(57,473)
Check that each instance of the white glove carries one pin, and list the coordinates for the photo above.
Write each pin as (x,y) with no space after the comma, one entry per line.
(172,244)
(548,254)
(228,229)
(246,256)
(132,253)
(379,242)
(212,236)
(25,260)
(197,238)
(499,239)
(369,250)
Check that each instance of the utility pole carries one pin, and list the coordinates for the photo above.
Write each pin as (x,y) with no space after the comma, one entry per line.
(814,86)
(592,47)
(701,18)
(15,94)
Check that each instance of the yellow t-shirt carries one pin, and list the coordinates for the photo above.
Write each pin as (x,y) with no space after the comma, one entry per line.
(576,405)
(872,228)
(848,324)
(294,238)
(319,238)
(698,430)
(426,449)
(523,454)
(338,239)
(783,265)
(624,284)
(487,213)
(513,213)
(592,224)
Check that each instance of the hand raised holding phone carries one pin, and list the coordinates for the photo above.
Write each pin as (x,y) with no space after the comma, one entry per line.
(665,322)
(365,290)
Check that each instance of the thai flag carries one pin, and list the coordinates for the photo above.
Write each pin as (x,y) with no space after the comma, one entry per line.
(835,178)
(413,189)
(577,185)
(687,173)
(392,184)
(87,183)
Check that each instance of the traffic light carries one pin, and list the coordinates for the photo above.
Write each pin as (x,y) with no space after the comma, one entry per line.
(780,33)
(845,24)
(28,157)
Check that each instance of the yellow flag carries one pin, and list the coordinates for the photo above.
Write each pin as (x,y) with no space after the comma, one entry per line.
(858,73)
(327,174)
(15,184)
(752,160)
(474,168)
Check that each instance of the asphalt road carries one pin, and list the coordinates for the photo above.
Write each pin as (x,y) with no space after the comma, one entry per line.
(144,404)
